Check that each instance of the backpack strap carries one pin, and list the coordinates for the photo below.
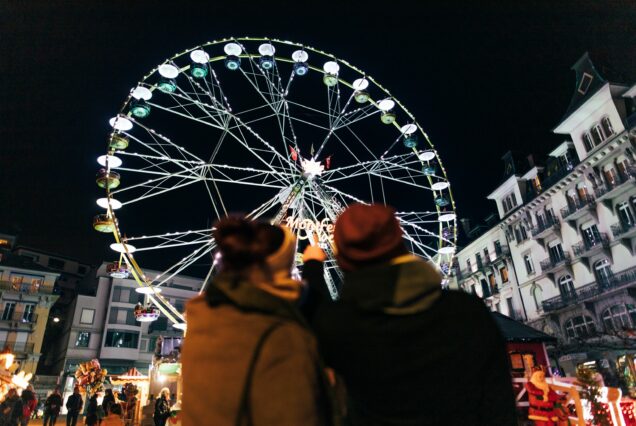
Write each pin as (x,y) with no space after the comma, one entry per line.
(244,405)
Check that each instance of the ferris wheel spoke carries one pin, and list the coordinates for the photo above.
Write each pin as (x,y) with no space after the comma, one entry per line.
(397,162)
(184,263)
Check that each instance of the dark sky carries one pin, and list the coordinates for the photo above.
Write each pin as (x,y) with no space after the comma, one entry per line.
(480,80)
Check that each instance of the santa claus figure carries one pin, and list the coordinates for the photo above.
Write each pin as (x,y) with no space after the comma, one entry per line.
(546,406)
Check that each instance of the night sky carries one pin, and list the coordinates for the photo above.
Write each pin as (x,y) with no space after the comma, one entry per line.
(480,80)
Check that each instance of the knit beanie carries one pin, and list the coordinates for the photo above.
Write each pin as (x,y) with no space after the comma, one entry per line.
(367,235)
(280,263)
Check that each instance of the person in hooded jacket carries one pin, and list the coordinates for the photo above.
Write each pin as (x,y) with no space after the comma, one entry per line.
(11,409)
(408,352)
(247,339)
(52,407)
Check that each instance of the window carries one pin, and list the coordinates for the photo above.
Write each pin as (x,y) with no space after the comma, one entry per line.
(524,234)
(597,134)
(591,236)
(478,259)
(584,85)
(537,295)
(625,214)
(498,250)
(486,254)
(87,317)
(485,289)
(503,271)
(125,295)
(566,287)
(527,260)
(607,126)
(143,346)
(161,324)
(83,339)
(122,316)
(469,266)
(556,252)
(587,142)
(152,344)
(581,327)
(631,309)
(9,309)
(615,318)
(28,314)
(511,311)
(509,202)
(603,271)
(121,339)
(56,263)
(610,176)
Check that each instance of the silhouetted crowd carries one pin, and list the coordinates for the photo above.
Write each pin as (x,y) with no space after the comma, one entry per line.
(265,347)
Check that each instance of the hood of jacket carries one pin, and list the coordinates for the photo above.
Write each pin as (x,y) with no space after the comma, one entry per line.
(405,286)
(227,288)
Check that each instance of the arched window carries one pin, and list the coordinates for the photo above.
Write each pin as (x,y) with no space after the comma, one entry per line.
(566,287)
(588,142)
(603,271)
(581,327)
(597,134)
(607,126)
(615,318)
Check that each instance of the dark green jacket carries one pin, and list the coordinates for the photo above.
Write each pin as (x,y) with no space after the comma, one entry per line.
(410,353)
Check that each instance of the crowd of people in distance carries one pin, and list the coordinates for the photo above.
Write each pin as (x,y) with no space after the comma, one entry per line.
(17,410)
(265,347)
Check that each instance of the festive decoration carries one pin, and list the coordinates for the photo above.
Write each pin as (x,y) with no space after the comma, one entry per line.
(90,376)
(147,314)
(591,391)
(546,406)
(627,410)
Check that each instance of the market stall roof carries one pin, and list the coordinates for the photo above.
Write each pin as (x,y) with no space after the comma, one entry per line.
(132,375)
(515,331)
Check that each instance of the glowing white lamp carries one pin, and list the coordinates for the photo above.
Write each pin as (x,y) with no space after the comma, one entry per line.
(104,202)
(148,290)
(266,49)
(121,123)
(232,49)
(111,160)
(447,250)
(408,129)
(447,217)
(439,186)
(141,92)
(300,56)
(426,155)
(199,56)
(386,104)
(121,248)
(360,84)
(331,67)
(168,71)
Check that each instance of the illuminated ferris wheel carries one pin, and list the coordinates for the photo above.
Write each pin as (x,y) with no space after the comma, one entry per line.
(275,129)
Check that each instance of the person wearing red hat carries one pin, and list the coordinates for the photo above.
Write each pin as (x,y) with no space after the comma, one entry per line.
(409,352)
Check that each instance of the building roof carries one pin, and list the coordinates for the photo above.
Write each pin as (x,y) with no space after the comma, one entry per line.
(515,331)
(13,260)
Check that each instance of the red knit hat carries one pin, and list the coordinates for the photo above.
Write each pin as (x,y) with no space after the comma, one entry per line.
(367,235)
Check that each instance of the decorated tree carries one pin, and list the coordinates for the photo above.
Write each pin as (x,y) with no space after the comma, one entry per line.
(591,391)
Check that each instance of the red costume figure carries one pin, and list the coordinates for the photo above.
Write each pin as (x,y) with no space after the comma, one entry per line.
(545,404)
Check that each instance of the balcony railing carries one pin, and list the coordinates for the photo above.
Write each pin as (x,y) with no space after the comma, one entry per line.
(620,229)
(550,223)
(27,288)
(21,317)
(619,180)
(577,206)
(552,263)
(586,246)
(17,347)
(617,281)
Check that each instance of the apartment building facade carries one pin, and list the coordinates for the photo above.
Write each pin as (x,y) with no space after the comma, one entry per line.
(571,229)
(103,326)
(26,297)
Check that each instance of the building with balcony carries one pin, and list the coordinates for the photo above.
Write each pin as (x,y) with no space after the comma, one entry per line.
(484,268)
(103,325)
(26,297)
(570,225)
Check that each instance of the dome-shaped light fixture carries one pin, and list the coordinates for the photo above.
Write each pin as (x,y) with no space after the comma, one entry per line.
(121,123)
(105,202)
(439,186)
(121,248)
(199,65)
(361,95)
(148,290)
(109,161)
(233,52)
(426,155)
(331,69)
(300,62)
(141,92)
(408,129)
(266,61)
(168,71)
(447,217)
(446,250)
